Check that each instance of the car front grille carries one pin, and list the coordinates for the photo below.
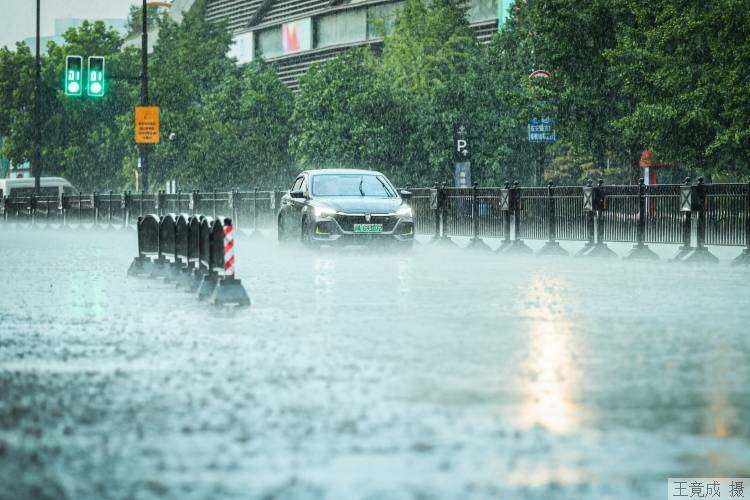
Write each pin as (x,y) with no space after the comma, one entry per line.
(347,221)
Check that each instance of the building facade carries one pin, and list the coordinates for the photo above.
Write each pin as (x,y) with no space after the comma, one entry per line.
(294,34)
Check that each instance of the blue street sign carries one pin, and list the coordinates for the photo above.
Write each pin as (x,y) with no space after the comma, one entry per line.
(542,131)
(462,174)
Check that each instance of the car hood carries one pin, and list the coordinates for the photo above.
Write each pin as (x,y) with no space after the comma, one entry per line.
(360,204)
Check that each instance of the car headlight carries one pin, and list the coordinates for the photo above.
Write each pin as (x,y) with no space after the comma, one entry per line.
(324,212)
(404,211)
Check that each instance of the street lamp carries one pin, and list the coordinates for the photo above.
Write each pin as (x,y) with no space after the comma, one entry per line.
(143,151)
(36,165)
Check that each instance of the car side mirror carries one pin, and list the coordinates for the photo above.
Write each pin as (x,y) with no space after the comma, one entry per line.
(297,194)
(406,195)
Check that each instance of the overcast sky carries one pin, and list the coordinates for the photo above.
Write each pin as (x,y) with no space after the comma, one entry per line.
(18,17)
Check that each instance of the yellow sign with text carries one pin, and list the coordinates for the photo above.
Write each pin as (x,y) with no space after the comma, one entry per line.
(147,124)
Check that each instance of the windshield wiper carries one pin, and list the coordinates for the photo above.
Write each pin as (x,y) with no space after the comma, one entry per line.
(388,191)
(361,180)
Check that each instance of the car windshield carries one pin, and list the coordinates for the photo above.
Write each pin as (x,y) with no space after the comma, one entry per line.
(351,185)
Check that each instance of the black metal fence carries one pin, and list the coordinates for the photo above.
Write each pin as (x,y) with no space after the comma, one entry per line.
(249,209)
(692,215)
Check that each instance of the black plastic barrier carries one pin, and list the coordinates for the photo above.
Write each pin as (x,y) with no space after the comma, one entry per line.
(165,256)
(190,251)
(186,249)
(148,246)
(212,256)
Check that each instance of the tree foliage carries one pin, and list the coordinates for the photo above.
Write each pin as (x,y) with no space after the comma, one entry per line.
(670,76)
(432,63)
(247,142)
(79,136)
(17,101)
(230,127)
(685,65)
(345,116)
(396,113)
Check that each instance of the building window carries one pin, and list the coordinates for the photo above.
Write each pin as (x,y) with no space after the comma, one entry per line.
(343,27)
(296,36)
(243,47)
(482,10)
(269,42)
(382,16)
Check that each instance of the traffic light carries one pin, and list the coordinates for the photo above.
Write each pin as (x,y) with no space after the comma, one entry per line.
(73,75)
(96,76)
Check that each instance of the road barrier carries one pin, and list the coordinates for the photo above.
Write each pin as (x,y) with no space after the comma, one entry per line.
(250,211)
(693,215)
(193,251)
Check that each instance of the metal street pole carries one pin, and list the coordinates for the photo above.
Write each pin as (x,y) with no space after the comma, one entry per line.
(143,152)
(540,166)
(36,166)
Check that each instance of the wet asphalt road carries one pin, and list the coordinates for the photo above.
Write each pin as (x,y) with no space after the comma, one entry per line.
(435,374)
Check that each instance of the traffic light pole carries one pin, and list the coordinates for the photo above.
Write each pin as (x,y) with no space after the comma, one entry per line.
(36,166)
(143,152)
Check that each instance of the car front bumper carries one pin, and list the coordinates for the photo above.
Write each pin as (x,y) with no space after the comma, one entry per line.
(339,228)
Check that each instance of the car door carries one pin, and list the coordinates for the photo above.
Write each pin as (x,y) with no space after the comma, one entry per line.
(287,211)
(299,205)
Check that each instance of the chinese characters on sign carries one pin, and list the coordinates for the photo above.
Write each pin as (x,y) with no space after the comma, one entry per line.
(462,174)
(147,125)
(706,488)
(541,130)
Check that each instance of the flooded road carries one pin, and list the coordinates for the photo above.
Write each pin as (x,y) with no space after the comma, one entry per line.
(436,374)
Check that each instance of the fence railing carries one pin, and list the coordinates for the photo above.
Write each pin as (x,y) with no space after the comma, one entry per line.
(692,215)
(248,209)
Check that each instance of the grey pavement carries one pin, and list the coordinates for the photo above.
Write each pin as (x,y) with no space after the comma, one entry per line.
(367,375)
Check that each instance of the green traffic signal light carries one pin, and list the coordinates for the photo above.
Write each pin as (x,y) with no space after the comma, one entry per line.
(96,76)
(73,75)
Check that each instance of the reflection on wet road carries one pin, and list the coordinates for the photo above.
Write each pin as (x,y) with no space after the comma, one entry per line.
(551,387)
(365,375)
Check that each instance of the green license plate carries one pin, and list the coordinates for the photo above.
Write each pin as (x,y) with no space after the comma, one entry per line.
(368,228)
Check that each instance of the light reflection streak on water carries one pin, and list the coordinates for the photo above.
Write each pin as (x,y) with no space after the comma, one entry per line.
(552,378)
(720,410)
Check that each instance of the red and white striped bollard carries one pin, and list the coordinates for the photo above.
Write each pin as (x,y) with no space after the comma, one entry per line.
(228,251)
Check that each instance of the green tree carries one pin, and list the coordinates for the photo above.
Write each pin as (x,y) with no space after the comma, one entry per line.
(431,61)
(243,140)
(86,146)
(188,64)
(346,116)
(513,100)
(571,40)
(686,65)
(79,135)
(17,101)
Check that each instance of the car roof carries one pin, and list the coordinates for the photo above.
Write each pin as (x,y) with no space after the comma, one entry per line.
(322,171)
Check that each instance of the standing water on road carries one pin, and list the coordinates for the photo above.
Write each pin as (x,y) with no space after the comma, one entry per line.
(432,374)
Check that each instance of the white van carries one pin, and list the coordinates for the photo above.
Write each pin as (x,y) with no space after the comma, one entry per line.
(49,186)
